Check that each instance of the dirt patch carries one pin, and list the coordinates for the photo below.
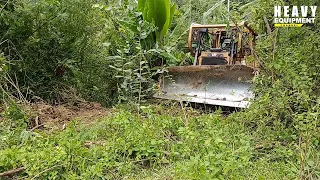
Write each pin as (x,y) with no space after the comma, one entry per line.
(54,117)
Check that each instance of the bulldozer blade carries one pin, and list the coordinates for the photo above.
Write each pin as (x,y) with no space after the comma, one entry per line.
(222,85)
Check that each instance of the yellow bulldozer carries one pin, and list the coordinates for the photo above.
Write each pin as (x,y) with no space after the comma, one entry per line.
(221,72)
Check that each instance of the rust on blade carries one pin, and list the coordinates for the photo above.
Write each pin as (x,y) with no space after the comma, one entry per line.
(216,68)
(195,74)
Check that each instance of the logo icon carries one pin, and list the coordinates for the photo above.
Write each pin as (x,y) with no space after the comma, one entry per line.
(294,16)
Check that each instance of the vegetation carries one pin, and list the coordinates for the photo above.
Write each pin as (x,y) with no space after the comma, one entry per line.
(126,145)
(109,52)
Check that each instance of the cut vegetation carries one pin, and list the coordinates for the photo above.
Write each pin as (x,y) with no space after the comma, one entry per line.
(77,79)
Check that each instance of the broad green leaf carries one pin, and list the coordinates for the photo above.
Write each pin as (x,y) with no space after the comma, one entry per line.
(141,5)
(159,13)
(172,12)
(169,17)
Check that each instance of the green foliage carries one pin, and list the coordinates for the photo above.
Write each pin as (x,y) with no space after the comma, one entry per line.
(129,59)
(214,150)
(286,109)
(13,126)
(52,44)
(123,144)
(3,70)
(159,12)
(3,66)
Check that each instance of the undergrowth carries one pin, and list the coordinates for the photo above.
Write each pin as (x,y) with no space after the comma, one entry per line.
(159,143)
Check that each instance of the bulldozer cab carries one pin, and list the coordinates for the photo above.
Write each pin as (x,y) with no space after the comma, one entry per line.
(220,44)
(220,74)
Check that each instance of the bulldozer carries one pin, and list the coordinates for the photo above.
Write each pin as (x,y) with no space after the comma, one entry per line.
(222,70)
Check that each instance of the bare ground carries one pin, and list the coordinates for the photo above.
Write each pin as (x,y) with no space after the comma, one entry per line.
(57,117)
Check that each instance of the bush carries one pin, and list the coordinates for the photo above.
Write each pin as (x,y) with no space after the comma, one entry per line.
(126,144)
(55,44)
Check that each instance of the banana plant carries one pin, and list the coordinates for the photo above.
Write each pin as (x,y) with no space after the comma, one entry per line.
(158,12)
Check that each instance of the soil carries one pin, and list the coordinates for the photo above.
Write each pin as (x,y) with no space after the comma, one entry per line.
(57,117)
